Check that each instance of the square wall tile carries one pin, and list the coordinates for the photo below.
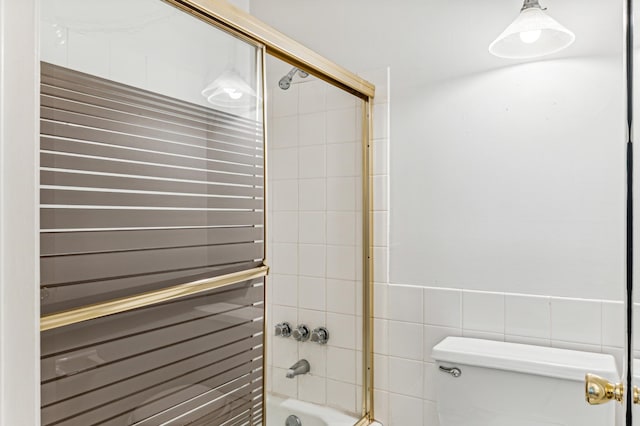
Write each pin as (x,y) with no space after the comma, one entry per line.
(341,296)
(528,316)
(285,102)
(380,264)
(342,125)
(282,385)
(341,364)
(312,194)
(284,132)
(311,319)
(380,336)
(342,330)
(312,96)
(434,335)
(316,355)
(431,414)
(312,293)
(285,289)
(341,262)
(380,157)
(381,193)
(312,389)
(404,410)
(342,158)
(429,386)
(312,260)
(285,195)
(443,307)
(341,194)
(285,259)
(339,99)
(284,227)
(285,352)
(405,377)
(284,163)
(341,395)
(341,228)
(313,227)
(405,340)
(483,311)
(381,406)
(312,161)
(380,300)
(576,320)
(381,368)
(312,129)
(380,228)
(405,303)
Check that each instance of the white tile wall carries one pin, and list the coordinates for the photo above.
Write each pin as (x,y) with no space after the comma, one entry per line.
(315,242)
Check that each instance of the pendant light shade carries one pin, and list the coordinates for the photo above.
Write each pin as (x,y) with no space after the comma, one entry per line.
(532,34)
(230,91)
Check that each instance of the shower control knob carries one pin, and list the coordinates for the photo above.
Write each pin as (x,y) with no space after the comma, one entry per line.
(320,335)
(283,329)
(301,334)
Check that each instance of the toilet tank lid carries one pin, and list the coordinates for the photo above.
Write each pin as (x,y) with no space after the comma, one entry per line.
(538,360)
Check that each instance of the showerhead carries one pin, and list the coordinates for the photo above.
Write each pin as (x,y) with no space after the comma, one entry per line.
(285,82)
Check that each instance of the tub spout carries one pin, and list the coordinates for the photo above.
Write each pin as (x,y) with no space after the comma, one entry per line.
(300,367)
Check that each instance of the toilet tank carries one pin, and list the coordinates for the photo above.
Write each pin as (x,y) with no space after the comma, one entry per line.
(508,384)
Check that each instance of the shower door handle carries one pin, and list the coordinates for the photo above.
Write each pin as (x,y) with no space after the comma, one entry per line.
(599,390)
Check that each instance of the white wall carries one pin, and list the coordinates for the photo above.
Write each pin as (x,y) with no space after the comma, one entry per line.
(505,176)
(19,219)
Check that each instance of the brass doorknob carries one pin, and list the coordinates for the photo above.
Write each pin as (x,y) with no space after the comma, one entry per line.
(636,395)
(598,390)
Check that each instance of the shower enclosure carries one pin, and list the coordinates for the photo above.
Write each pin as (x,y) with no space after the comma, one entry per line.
(167,197)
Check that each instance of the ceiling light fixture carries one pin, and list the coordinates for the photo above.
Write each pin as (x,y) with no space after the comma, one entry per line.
(229,90)
(532,34)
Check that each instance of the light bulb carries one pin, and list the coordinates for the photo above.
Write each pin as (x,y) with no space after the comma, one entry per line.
(530,36)
(233,92)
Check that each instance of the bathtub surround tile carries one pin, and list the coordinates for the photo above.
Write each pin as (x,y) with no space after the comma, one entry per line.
(312,389)
(285,258)
(381,406)
(312,194)
(341,395)
(312,96)
(576,320)
(341,364)
(282,385)
(285,195)
(380,229)
(312,293)
(405,340)
(284,132)
(483,311)
(311,319)
(312,129)
(341,159)
(341,228)
(342,329)
(281,313)
(285,289)
(434,335)
(528,316)
(285,352)
(341,262)
(405,303)
(381,264)
(341,194)
(404,410)
(381,193)
(380,157)
(381,369)
(312,162)
(342,125)
(380,336)
(358,368)
(406,377)
(339,99)
(341,296)
(284,102)
(317,357)
(312,227)
(380,300)
(613,316)
(284,163)
(284,227)
(584,347)
(311,260)
(443,307)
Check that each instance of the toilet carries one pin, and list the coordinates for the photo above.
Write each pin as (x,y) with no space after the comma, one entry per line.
(488,383)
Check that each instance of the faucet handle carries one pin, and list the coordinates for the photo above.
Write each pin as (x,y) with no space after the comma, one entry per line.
(301,334)
(283,329)
(320,335)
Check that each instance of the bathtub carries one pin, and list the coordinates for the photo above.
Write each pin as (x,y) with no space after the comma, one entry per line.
(278,409)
